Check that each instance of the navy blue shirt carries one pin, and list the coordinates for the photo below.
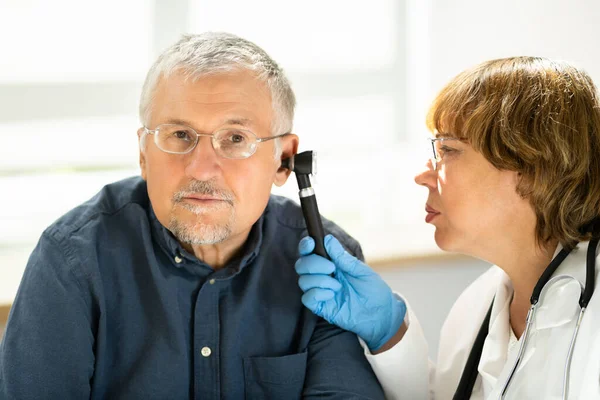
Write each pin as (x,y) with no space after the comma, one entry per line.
(111,306)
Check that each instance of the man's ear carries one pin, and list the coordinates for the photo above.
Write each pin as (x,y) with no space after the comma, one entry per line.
(289,147)
(142,144)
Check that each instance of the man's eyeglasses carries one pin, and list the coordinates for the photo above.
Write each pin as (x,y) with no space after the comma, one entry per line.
(233,143)
(439,149)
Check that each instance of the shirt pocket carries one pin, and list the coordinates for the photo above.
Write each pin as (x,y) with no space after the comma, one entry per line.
(275,377)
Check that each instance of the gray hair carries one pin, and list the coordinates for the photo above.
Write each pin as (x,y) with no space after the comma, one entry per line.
(213,53)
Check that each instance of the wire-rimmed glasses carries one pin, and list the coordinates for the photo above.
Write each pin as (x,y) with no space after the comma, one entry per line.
(437,145)
(233,143)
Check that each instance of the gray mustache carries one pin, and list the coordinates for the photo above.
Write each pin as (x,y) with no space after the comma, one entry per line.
(207,188)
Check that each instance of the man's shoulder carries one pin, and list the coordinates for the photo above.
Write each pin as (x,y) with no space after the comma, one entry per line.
(288,215)
(107,204)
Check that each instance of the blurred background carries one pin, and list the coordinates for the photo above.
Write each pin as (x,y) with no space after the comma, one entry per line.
(364,73)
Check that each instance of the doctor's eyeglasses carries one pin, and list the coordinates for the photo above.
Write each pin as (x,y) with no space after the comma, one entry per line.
(439,149)
(232,143)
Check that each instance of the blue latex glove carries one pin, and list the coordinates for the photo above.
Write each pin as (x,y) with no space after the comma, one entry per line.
(355,298)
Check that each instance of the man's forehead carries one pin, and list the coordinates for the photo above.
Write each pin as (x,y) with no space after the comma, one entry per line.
(224,98)
(232,82)
(220,90)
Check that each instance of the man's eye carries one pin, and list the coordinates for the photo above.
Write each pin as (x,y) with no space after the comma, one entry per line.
(183,135)
(237,138)
(233,138)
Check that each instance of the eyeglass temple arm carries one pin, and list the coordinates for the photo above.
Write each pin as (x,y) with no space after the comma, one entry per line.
(272,137)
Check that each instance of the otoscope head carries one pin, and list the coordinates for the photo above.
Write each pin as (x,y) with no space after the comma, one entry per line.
(304,163)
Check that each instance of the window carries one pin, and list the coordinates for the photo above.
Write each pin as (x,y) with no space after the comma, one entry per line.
(70,83)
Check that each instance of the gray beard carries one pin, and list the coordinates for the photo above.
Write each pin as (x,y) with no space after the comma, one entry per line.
(197,233)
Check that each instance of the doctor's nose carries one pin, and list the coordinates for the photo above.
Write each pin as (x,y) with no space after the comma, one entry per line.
(427,177)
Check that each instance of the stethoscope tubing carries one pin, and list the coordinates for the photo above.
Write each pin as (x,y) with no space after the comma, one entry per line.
(522,347)
(567,373)
(530,320)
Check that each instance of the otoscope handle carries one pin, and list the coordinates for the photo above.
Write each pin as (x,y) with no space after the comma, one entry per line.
(313,222)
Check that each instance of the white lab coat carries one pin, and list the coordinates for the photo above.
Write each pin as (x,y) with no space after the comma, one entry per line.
(405,372)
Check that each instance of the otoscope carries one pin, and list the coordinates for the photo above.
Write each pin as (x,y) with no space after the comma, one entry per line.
(305,164)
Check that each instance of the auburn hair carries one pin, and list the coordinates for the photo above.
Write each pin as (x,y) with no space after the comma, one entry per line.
(540,118)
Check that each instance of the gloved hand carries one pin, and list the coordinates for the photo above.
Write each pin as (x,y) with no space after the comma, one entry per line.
(355,298)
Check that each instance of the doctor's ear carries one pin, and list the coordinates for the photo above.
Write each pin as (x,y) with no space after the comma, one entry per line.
(289,147)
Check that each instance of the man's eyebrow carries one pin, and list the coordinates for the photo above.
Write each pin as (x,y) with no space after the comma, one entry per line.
(238,121)
(178,121)
(228,121)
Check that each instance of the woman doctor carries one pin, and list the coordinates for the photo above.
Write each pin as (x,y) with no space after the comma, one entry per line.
(514,179)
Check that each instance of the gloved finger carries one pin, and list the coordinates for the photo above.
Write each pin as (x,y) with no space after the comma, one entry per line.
(314,298)
(314,264)
(344,260)
(307,282)
(306,246)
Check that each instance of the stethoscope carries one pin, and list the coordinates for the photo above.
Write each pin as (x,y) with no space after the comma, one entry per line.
(469,375)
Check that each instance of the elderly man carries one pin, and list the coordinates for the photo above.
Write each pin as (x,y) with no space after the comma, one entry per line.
(181,284)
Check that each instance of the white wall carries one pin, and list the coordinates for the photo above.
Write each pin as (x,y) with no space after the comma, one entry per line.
(466,32)
(68,105)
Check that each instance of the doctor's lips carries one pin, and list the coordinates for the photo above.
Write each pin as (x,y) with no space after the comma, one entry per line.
(431,213)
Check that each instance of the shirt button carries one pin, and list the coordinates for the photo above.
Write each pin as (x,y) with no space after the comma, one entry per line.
(212,281)
(205,351)
(178,259)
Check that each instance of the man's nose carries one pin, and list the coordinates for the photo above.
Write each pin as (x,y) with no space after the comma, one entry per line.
(203,163)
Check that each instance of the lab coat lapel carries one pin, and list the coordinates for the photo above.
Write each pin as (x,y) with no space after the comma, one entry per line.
(495,348)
